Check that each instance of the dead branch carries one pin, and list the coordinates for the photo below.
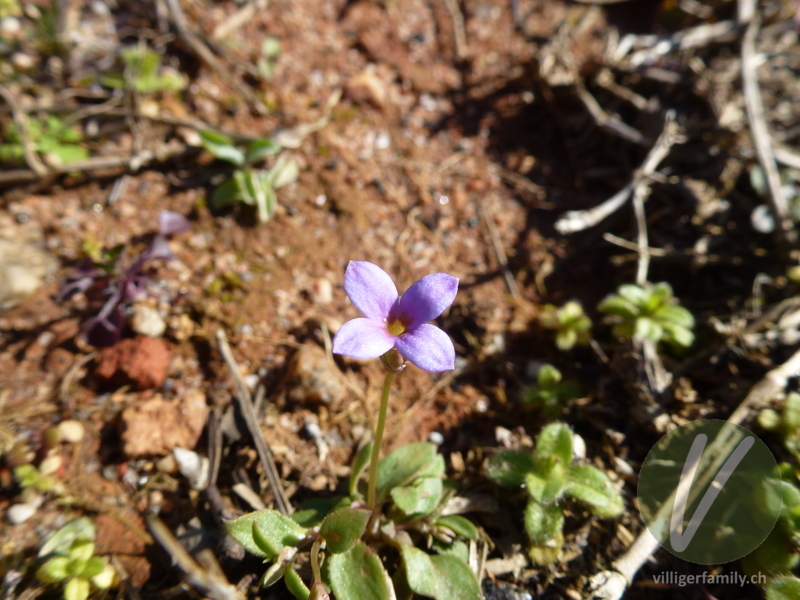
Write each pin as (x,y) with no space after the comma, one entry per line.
(248,412)
(578,220)
(758,123)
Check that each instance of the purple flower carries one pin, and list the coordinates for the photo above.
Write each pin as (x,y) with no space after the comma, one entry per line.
(394,321)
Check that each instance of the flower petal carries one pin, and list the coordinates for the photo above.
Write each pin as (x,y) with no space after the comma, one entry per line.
(362,338)
(370,288)
(428,347)
(427,299)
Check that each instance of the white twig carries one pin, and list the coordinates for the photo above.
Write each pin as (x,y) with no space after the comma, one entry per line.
(459,33)
(609,122)
(758,122)
(639,196)
(578,220)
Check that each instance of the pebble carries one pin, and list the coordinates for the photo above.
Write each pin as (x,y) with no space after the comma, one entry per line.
(147,321)
(436,438)
(321,291)
(71,431)
(10,26)
(22,61)
(23,269)
(194,467)
(19,513)
(310,377)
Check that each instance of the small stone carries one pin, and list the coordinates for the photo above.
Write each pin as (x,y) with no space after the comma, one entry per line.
(321,291)
(19,513)
(22,61)
(367,87)
(141,361)
(147,321)
(71,431)
(436,438)
(167,465)
(194,467)
(10,26)
(23,269)
(311,378)
(157,426)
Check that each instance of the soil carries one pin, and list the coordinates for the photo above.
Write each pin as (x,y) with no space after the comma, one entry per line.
(437,158)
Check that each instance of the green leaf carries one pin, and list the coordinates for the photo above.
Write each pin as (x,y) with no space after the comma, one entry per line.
(106,578)
(634,294)
(459,525)
(285,171)
(295,585)
(549,318)
(783,588)
(548,552)
(68,154)
(360,463)
(402,465)
(420,498)
(343,528)
(543,523)
(259,149)
(279,530)
(54,570)
(510,467)
(589,485)
(77,588)
(614,305)
(26,476)
(791,411)
(266,201)
(566,339)
(677,315)
(648,329)
(81,549)
(316,509)
(442,577)
(555,440)
(61,541)
(678,336)
(548,376)
(222,147)
(358,574)
(226,194)
(547,481)
(93,567)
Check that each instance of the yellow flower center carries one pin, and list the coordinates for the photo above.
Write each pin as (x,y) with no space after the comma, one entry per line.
(396,327)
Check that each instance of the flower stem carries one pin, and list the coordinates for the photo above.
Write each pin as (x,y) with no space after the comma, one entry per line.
(376,444)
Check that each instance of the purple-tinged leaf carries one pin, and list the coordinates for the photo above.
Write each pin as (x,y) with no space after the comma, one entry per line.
(170,222)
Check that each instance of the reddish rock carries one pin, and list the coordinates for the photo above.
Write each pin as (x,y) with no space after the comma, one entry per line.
(157,426)
(126,541)
(141,362)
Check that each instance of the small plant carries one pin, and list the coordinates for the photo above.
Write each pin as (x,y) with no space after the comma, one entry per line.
(254,187)
(270,49)
(57,143)
(39,479)
(571,324)
(143,72)
(71,561)
(395,519)
(650,313)
(550,392)
(120,286)
(779,552)
(549,476)
(786,423)
(783,588)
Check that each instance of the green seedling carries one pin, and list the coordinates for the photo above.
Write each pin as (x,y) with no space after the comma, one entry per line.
(41,479)
(550,478)
(70,561)
(411,494)
(786,422)
(779,553)
(550,393)
(570,323)
(270,49)
(783,588)
(57,143)
(650,313)
(143,72)
(248,185)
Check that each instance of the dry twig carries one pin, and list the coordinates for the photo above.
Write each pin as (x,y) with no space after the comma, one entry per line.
(248,412)
(758,123)
(500,252)
(578,220)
